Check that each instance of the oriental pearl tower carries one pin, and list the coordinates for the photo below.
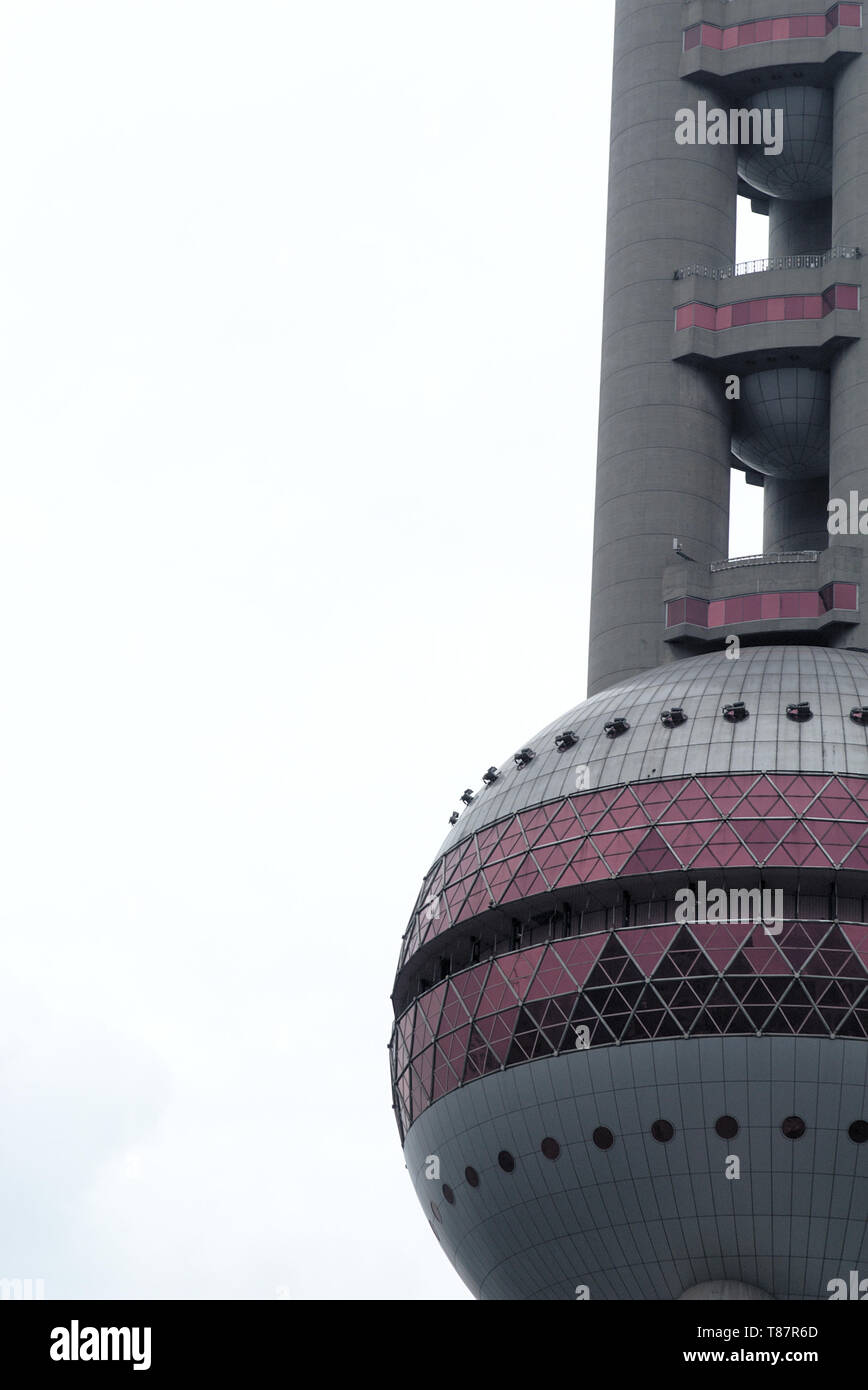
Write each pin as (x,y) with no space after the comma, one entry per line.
(601,1094)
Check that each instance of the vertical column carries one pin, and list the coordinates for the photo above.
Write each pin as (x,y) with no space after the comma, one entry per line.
(795,512)
(848,433)
(663,452)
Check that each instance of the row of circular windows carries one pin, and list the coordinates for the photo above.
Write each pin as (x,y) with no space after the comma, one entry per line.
(793,1127)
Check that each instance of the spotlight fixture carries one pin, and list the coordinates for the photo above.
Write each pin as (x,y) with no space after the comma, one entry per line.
(859,714)
(735,712)
(615,727)
(565,740)
(490,776)
(467,795)
(524,756)
(799,712)
(671,718)
(453,818)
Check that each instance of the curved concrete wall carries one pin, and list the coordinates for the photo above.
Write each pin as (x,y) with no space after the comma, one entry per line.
(794,514)
(799,228)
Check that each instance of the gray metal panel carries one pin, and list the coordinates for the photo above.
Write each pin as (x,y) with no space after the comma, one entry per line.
(766,678)
(648,1220)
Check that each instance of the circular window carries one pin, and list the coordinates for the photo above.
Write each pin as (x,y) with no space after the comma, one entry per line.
(472,1176)
(506,1160)
(603,1137)
(793,1127)
(726,1127)
(858,1131)
(449,1194)
(662,1131)
(551,1148)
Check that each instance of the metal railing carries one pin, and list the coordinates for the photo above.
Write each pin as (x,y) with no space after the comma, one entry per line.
(782,557)
(805,261)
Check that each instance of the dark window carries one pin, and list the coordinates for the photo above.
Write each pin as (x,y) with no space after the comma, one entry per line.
(603,1137)
(436,1210)
(726,1127)
(662,1131)
(858,1131)
(506,1160)
(793,1127)
(449,1194)
(550,1147)
(472,1176)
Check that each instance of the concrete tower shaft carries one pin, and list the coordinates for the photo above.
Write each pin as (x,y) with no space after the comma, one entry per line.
(848,453)
(664,427)
(787,328)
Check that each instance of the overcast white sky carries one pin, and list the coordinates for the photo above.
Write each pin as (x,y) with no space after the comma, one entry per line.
(300,319)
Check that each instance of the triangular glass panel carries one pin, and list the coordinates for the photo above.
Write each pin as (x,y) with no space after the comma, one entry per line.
(857,935)
(797,789)
(584,867)
(765,802)
(527,881)
(519,968)
(726,791)
(617,846)
(760,836)
(578,955)
(692,803)
(800,849)
(653,856)
(647,945)
(624,811)
(724,850)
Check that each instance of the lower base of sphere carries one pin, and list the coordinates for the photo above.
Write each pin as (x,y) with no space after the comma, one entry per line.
(635,1193)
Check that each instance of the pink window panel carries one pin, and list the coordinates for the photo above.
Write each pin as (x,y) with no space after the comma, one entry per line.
(845,596)
(734,609)
(792,605)
(752,607)
(775,310)
(716,613)
(770,605)
(846,296)
(789,605)
(810,26)
(675,612)
(697,611)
